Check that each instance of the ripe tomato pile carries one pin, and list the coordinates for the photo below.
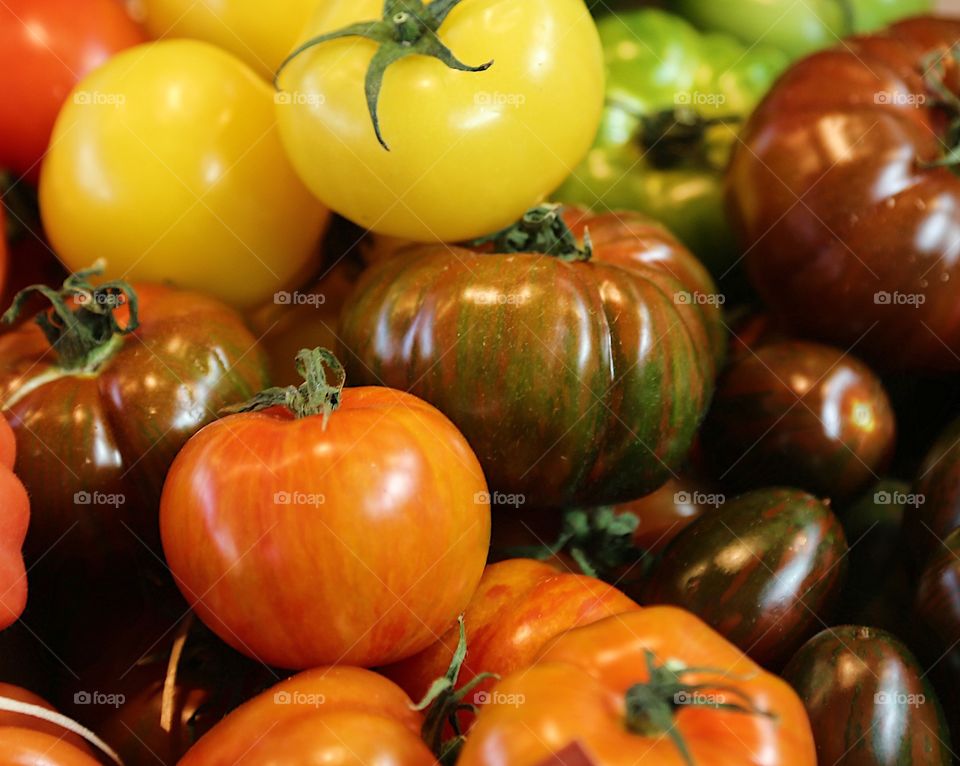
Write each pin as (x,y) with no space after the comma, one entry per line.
(479,383)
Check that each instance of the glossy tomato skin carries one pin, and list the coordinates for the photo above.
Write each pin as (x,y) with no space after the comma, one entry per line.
(803,415)
(938,488)
(469,151)
(869,237)
(24,721)
(14,518)
(285,535)
(93,449)
(28,747)
(763,570)
(666,512)
(868,699)
(331,715)
(172,147)
(261,39)
(518,607)
(572,700)
(45,47)
(657,65)
(577,383)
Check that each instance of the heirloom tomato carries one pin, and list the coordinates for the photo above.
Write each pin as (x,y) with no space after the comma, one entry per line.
(341,716)
(869,700)
(102,391)
(259,36)
(763,570)
(577,367)
(172,148)
(845,200)
(492,104)
(518,607)
(675,100)
(29,747)
(8,718)
(936,512)
(796,28)
(334,526)
(46,46)
(14,517)
(802,415)
(653,685)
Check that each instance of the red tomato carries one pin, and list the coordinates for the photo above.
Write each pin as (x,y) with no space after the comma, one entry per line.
(348,526)
(332,716)
(46,47)
(24,721)
(28,747)
(14,517)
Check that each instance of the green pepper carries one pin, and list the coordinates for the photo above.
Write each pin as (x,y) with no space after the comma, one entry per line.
(675,99)
(798,28)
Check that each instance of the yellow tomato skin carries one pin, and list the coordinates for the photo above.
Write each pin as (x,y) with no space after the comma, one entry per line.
(260,36)
(166,162)
(470,152)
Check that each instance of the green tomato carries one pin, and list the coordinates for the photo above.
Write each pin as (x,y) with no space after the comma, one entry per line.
(798,28)
(675,98)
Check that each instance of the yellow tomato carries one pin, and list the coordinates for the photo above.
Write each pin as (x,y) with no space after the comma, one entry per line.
(166,162)
(260,35)
(469,152)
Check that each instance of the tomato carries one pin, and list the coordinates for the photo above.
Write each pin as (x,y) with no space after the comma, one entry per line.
(99,419)
(333,715)
(763,570)
(869,700)
(801,415)
(24,721)
(578,378)
(674,101)
(14,517)
(277,522)
(797,28)
(936,510)
(518,607)
(46,46)
(244,27)
(469,151)
(641,687)
(667,511)
(840,203)
(172,148)
(28,747)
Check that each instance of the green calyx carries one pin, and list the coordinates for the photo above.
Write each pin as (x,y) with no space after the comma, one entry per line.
(675,137)
(540,230)
(445,701)
(652,706)
(407,28)
(933,70)
(84,334)
(319,394)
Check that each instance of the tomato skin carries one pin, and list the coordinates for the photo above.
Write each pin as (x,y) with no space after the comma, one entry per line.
(575,694)
(261,39)
(870,237)
(185,169)
(855,680)
(272,567)
(562,404)
(22,721)
(28,747)
(14,518)
(333,715)
(45,47)
(116,431)
(768,597)
(469,151)
(518,607)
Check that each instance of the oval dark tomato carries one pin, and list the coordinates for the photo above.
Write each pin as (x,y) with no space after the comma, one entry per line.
(330,715)
(937,491)
(336,526)
(762,570)
(845,203)
(868,700)
(578,380)
(46,47)
(99,421)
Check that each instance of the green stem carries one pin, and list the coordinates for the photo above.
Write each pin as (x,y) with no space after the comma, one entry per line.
(540,230)
(317,395)
(86,334)
(934,77)
(674,137)
(407,28)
